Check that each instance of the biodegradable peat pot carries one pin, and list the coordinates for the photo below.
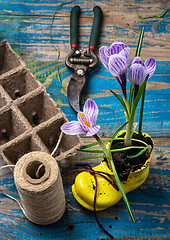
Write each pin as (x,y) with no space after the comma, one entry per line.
(84,187)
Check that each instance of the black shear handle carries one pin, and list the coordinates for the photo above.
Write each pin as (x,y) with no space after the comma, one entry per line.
(75,12)
(96,27)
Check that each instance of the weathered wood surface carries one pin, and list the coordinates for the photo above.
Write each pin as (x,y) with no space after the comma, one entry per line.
(26,25)
(149,204)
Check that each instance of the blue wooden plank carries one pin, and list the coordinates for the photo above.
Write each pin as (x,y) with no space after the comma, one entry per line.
(32,7)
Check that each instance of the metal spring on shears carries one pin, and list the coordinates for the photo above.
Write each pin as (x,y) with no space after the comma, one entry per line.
(81,60)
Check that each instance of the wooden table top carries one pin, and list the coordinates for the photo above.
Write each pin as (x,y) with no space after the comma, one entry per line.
(26,26)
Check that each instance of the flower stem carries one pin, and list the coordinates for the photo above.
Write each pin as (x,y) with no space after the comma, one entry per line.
(129,132)
(105,150)
(141,112)
(129,126)
(111,164)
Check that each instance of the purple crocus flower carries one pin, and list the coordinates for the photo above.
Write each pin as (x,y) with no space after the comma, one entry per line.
(86,123)
(138,71)
(115,59)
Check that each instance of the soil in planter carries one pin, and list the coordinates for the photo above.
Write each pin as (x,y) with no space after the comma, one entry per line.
(123,164)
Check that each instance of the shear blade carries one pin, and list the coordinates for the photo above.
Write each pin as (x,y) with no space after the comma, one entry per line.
(73,93)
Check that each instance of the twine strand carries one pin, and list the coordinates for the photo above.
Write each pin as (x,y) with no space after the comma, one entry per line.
(5,166)
(58,143)
(16,200)
(9,196)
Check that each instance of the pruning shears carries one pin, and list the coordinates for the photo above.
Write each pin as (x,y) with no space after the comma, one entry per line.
(81,62)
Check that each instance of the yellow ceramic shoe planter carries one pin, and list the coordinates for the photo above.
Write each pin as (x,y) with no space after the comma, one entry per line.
(84,187)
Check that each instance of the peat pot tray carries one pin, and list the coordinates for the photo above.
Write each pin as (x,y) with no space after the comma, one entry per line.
(29,117)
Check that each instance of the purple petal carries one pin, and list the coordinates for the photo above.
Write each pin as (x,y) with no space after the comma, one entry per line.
(104,56)
(72,128)
(116,47)
(84,121)
(150,65)
(135,60)
(117,65)
(91,109)
(92,131)
(125,54)
(122,80)
(137,74)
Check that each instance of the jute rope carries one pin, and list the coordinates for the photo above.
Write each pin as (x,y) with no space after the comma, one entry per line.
(42,196)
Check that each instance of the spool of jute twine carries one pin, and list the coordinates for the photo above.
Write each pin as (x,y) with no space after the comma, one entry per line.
(39,184)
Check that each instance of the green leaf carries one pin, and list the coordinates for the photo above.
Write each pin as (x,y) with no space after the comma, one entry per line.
(118,130)
(140,141)
(140,41)
(111,164)
(122,190)
(126,148)
(90,151)
(140,153)
(138,50)
(141,111)
(137,98)
(94,144)
(93,157)
(118,139)
(131,95)
(133,139)
(121,101)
